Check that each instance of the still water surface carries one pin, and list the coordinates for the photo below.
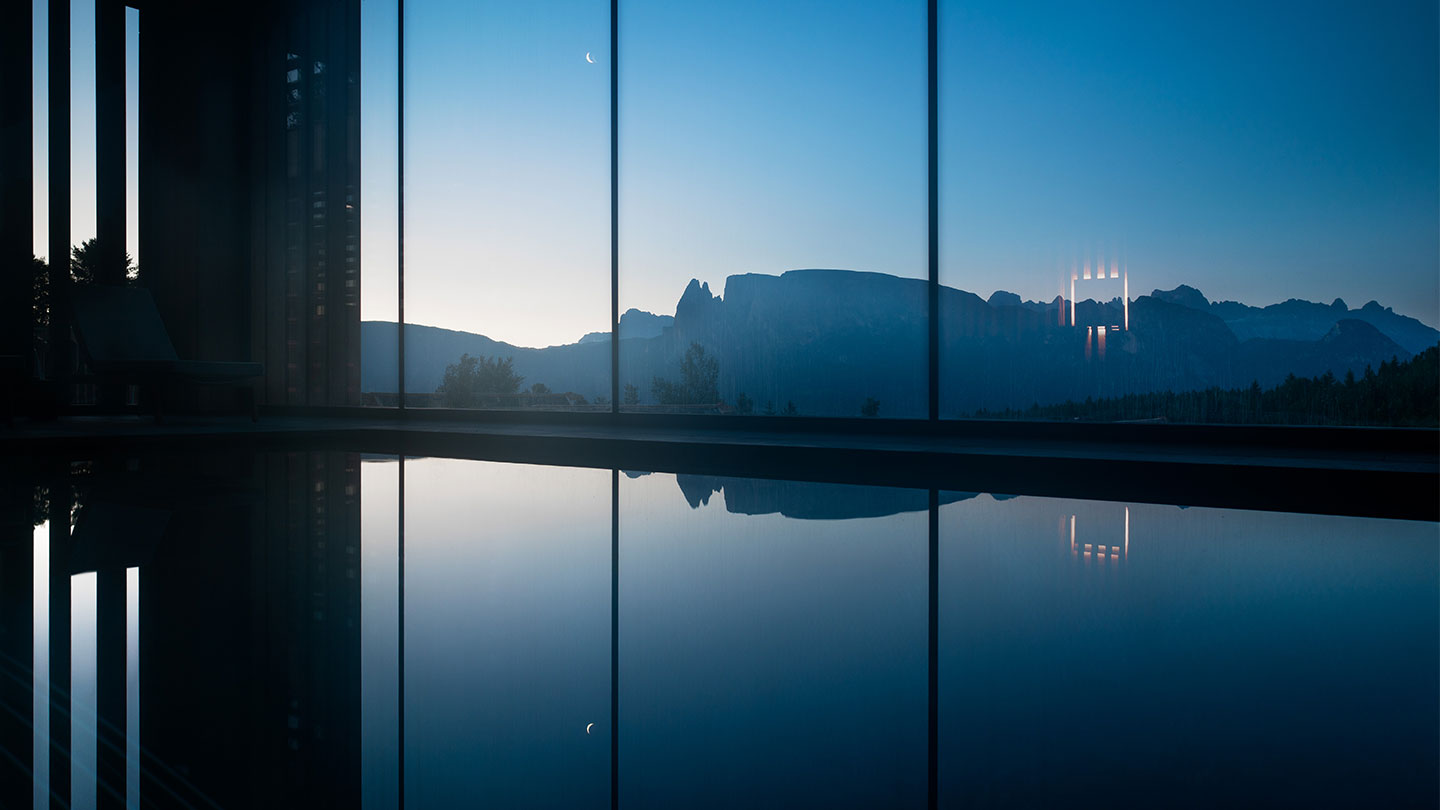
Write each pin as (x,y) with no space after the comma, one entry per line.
(563,637)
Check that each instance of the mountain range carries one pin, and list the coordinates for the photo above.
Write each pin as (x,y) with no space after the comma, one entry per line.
(827,340)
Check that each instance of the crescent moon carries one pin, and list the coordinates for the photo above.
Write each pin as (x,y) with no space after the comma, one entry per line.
(587,728)
(591,61)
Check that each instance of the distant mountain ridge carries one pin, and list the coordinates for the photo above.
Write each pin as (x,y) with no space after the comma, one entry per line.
(634,323)
(805,500)
(1297,319)
(827,340)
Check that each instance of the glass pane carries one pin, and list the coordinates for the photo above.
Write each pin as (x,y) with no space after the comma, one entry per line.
(507,204)
(772,643)
(1147,652)
(773,189)
(507,635)
(379,202)
(82,121)
(40,67)
(132,134)
(1150,213)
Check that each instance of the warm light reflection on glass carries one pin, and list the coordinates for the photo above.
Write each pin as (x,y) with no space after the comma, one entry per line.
(1101,551)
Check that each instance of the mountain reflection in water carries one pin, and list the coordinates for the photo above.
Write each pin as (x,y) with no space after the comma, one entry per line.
(569,636)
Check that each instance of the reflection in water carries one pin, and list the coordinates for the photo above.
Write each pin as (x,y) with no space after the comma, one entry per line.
(1243,658)
(1083,548)
(40,679)
(348,632)
(766,661)
(804,500)
(132,687)
(83,739)
(380,633)
(507,635)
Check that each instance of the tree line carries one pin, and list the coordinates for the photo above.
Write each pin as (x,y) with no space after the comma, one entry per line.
(480,381)
(1401,393)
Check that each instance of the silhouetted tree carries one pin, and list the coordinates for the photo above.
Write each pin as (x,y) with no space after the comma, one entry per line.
(743,404)
(40,290)
(871,407)
(632,394)
(666,392)
(470,377)
(698,373)
(539,388)
(769,407)
(85,263)
(790,409)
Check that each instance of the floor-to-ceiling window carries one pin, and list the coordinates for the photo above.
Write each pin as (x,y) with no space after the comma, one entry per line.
(772,200)
(507,217)
(379,201)
(132,135)
(1163,212)
(1139,218)
(40,111)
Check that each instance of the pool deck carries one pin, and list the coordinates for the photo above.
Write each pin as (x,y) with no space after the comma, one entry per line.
(1398,480)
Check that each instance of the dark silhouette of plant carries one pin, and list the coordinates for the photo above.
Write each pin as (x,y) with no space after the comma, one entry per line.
(632,394)
(40,290)
(469,378)
(666,392)
(539,388)
(698,373)
(790,409)
(85,263)
(744,405)
(769,407)
(871,407)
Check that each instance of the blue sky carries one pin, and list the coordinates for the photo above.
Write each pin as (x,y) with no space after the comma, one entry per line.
(1256,151)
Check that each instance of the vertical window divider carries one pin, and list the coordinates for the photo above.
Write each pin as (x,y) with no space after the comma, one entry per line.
(400,201)
(614,206)
(934,202)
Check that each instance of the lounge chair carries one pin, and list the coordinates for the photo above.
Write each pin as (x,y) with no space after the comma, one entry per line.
(123,340)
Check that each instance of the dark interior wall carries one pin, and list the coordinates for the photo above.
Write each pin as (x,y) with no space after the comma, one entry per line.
(249,178)
(306,204)
(16,183)
(193,163)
